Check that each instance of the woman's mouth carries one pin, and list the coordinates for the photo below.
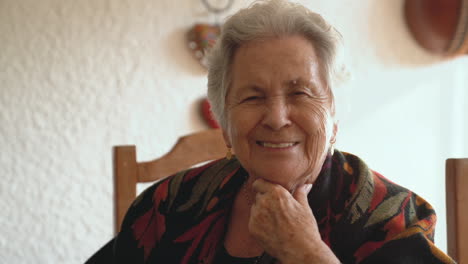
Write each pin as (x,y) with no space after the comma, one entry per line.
(276,145)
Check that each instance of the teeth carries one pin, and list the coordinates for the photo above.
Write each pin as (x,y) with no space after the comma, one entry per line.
(278,145)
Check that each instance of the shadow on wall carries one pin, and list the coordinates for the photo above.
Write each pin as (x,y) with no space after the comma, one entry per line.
(178,54)
(196,117)
(393,41)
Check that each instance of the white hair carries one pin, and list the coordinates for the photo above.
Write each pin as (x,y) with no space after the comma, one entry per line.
(266,19)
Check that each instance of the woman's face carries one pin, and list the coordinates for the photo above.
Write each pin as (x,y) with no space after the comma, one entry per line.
(278,111)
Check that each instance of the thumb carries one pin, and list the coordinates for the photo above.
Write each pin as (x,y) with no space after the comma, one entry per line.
(301,194)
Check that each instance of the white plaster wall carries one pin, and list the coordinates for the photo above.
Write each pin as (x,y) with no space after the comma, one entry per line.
(77,77)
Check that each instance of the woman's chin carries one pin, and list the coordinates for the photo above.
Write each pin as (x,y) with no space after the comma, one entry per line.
(288,178)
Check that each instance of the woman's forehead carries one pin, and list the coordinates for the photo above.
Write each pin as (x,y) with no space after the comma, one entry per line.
(281,61)
(285,86)
(261,50)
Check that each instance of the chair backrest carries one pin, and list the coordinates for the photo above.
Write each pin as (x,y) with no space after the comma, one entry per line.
(188,151)
(456,184)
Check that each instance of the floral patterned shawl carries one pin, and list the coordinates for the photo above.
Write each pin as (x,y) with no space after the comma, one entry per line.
(362,216)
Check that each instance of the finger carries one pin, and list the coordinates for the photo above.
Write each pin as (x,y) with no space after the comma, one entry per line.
(262,186)
(301,193)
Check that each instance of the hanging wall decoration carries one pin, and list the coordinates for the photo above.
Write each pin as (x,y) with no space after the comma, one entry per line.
(206,113)
(201,37)
(439,26)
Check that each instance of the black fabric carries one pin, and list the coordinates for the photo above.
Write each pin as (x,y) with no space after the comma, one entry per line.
(103,255)
(361,216)
(223,257)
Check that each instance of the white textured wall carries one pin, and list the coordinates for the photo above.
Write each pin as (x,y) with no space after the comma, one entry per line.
(77,77)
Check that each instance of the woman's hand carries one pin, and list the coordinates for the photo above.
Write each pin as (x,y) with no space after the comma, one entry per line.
(285,226)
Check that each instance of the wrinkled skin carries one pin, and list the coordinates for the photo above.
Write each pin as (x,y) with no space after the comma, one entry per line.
(284,225)
(280,126)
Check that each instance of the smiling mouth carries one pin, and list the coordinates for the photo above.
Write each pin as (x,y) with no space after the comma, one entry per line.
(276,145)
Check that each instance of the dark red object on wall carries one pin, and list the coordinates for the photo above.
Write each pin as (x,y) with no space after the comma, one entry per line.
(439,26)
(207,114)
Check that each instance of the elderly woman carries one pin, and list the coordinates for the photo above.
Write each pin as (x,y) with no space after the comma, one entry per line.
(286,196)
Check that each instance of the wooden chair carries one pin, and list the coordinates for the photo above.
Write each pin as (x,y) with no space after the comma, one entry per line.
(188,151)
(456,182)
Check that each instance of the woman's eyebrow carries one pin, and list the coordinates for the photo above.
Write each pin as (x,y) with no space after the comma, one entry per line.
(250,88)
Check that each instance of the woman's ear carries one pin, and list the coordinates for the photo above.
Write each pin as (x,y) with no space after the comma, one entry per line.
(227,141)
(335,131)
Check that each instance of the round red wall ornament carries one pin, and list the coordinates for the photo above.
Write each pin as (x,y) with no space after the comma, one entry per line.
(439,26)
(207,114)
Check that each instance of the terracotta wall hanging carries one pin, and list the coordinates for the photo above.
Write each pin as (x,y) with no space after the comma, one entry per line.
(439,26)
(201,37)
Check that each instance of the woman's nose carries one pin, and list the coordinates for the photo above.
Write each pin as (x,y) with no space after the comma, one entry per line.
(276,114)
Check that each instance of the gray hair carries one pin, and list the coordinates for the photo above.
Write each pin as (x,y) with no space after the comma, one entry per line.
(264,19)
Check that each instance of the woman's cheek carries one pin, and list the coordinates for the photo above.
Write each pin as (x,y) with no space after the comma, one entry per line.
(239,125)
(317,135)
(316,148)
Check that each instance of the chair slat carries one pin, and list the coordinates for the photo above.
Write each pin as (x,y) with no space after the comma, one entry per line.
(457,208)
(189,150)
(125,180)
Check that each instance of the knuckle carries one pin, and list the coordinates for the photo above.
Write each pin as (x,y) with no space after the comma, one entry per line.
(279,192)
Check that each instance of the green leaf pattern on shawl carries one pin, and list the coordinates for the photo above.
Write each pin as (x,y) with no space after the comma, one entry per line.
(362,197)
(212,178)
(387,209)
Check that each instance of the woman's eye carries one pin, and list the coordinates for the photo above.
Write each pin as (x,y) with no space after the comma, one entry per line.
(251,98)
(300,93)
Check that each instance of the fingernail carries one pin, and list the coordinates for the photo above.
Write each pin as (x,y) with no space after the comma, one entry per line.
(308,187)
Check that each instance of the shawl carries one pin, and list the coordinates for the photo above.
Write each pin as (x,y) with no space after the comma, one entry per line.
(362,216)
